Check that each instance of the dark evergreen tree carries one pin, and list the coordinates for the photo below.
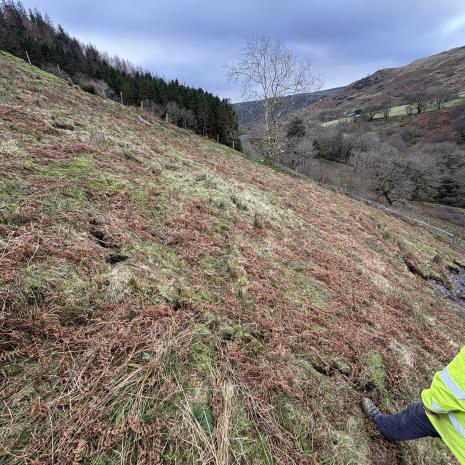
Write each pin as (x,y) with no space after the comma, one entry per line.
(296,128)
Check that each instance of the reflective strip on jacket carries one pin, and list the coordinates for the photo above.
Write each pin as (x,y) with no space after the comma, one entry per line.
(446,397)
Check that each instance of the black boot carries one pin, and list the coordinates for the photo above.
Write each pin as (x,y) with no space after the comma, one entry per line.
(369,408)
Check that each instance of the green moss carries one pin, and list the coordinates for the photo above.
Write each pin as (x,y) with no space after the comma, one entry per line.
(295,419)
(139,197)
(209,263)
(345,446)
(293,297)
(202,349)
(375,245)
(9,187)
(244,333)
(69,198)
(197,295)
(374,373)
(308,292)
(317,294)
(221,224)
(203,414)
(78,166)
(72,292)
(10,193)
(110,184)
(23,438)
(102,460)
(246,440)
(157,253)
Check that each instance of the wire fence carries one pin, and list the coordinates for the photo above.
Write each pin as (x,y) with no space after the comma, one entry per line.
(457,240)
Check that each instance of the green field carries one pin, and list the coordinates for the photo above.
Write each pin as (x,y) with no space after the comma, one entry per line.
(399,111)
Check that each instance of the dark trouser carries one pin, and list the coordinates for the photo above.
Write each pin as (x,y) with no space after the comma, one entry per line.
(411,423)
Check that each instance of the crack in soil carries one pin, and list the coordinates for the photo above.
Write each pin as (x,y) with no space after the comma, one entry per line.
(104,240)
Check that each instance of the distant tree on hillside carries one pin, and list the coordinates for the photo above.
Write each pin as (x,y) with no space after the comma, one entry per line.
(425,175)
(451,190)
(370,112)
(440,96)
(420,101)
(387,107)
(269,72)
(389,174)
(332,145)
(154,108)
(296,128)
(298,147)
(458,114)
(328,115)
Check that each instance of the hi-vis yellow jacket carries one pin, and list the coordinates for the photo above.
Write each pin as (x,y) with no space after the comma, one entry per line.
(446,397)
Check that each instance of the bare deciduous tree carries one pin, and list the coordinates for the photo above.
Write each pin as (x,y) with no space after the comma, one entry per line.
(420,101)
(409,109)
(389,174)
(425,175)
(180,116)
(387,107)
(155,108)
(370,113)
(274,76)
(440,96)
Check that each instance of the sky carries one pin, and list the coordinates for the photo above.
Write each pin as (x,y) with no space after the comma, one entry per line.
(191,40)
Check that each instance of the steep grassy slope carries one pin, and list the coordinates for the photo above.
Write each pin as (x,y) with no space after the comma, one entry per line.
(446,69)
(164,300)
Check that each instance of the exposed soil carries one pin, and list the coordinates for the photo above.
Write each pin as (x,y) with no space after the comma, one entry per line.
(456,293)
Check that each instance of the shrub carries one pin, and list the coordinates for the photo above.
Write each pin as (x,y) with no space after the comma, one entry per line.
(57,71)
(94,86)
(333,146)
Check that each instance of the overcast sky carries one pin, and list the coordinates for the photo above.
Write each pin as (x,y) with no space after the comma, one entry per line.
(192,39)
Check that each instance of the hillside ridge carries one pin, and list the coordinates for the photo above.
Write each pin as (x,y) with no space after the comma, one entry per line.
(444,69)
(166,300)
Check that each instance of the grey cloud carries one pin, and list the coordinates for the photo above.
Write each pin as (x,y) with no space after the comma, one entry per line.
(191,39)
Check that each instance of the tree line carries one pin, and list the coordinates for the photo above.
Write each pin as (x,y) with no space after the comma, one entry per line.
(432,99)
(367,163)
(32,35)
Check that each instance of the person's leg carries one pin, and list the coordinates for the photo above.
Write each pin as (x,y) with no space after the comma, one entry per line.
(411,423)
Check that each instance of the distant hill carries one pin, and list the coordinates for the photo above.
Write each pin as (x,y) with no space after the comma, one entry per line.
(165,300)
(247,112)
(446,69)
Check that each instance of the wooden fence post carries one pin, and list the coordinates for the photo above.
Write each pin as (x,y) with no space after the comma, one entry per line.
(234,143)
(121,97)
(28,59)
